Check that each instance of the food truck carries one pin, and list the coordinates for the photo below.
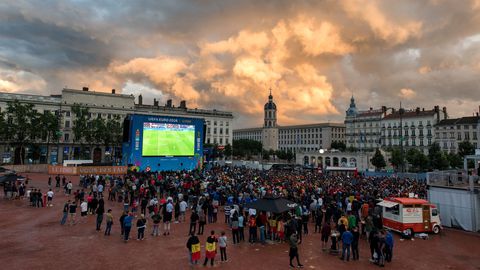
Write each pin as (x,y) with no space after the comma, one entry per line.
(411,215)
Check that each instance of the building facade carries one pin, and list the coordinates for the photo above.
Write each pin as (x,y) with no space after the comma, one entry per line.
(297,138)
(450,132)
(363,128)
(219,127)
(411,128)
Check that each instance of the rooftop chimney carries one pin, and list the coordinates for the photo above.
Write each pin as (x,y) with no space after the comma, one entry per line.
(84,88)
(140,99)
(444,110)
(417,110)
(113,91)
(155,102)
(183,104)
(169,103)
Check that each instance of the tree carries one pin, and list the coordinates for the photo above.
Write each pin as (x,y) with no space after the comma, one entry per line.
(397,158)
(417,159)
(455,160)
(22,126)
(378,160)
(437,157)
(80,123)
(245,147)
(49,129)
(290,155)
(465,148)
(228,150)
(341,146)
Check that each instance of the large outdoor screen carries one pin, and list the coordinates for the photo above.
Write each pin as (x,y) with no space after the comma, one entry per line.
(163,139)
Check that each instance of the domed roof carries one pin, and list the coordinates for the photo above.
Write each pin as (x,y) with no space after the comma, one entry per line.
(270,106)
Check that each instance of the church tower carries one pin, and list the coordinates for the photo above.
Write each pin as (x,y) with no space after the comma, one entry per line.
(270,119)
(270,130)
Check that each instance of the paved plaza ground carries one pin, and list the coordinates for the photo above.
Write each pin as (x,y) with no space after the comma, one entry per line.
(32,238)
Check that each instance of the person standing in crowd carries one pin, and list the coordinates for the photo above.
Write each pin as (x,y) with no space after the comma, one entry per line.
(57,181)
(127,226)
(241,227)
(235,235)
(50,197)
(83,211)
(183,208)
(347,239)
(100,211)
(156,218)
(388,246)
(252,227)
(356,238)
(66,208)
(326,231)
(141,225)
(73,212)
(193,222)
(167,216)
(202,220)
(222,243)
(109,220)
(293,253)
(281,230)
(210,249)
(193,246)
(69,188)
(122,224)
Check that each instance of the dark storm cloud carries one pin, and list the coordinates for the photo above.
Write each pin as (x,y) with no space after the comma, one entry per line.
(226,54)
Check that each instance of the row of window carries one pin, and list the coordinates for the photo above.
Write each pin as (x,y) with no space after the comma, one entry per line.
(317,142)
(215,130)
(219,141)
(458,127)
(220,123)
(466,135)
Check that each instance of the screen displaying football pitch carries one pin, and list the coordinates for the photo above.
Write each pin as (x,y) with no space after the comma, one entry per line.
(163,139)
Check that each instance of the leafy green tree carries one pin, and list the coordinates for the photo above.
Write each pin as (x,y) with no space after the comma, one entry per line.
(290,155)
(465,148)
(378,160)
(246,148)
(228,150)
(438,159)
(22,126)
(397,158)
(49,129)
(417,159)
(341,146)
(455,160)
(80,124)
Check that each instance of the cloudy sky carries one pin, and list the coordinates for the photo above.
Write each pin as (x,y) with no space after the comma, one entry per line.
(227,54)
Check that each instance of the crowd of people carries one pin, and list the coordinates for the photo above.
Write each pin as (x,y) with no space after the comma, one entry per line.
(340,209)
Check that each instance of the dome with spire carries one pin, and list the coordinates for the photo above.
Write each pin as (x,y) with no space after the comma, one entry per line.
(270,105)
(352,110)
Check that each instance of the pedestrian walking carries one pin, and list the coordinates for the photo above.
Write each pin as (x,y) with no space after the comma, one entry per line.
(66,208)
(347,239)
(293,253)
(156,218)
(109,220)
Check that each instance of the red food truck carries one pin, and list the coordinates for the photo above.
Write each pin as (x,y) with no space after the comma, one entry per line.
(411,215)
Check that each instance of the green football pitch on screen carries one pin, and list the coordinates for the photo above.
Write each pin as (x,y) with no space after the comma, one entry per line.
(168,142)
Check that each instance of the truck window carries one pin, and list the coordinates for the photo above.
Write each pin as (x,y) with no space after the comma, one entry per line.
(435,212)
(393,210)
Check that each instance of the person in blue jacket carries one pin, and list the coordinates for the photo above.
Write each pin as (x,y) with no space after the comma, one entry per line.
(347,239)
(127,225)
(388,246)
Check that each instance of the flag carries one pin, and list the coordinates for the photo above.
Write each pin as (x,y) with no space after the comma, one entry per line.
(210,250)
(195,252)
